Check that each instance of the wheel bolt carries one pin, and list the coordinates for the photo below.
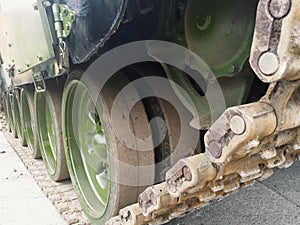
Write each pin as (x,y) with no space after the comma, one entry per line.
(203,20)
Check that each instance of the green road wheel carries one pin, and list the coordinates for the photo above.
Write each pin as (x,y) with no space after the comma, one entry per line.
(17,118)
(29,123)
(15,112)
(225,27)
(95,155)
(48,121)
(10,114)
(6,111)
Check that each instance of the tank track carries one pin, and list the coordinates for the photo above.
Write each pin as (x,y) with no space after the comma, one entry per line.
(248,142)
(161,203)
(60,194)
(171,199)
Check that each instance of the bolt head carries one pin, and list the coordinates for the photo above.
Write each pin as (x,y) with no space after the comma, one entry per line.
(34,5)
(215,149)
(237,125)
(203,20)
(268,63)
(72,16)
(67,27)
(65,12)
(40,58)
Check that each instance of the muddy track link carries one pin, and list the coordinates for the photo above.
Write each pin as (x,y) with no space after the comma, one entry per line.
(60,194)
(158,205)
(247,143)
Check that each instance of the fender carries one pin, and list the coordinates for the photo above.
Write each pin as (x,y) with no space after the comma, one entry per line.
(96,21)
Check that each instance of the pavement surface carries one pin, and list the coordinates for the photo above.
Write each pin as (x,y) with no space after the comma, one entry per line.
(275,201)
(21,200)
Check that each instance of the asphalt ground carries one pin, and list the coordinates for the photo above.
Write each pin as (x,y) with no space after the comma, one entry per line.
(275,201)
